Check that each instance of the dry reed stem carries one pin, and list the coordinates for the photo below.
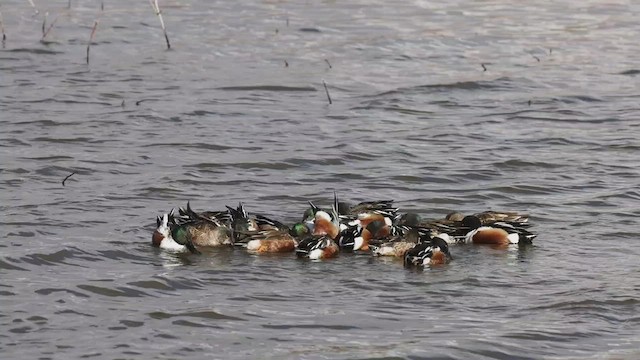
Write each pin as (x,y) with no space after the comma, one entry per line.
(156,9)
(326,89)
(45,33)
(93,30)
(34,7)
(4,36)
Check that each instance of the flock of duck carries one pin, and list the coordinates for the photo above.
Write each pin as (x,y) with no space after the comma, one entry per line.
(375,226)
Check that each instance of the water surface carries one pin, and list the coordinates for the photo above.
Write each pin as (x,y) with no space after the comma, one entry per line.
(237,111)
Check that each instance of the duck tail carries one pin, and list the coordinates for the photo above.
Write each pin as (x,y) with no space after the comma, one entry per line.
(526,239)
(334,210)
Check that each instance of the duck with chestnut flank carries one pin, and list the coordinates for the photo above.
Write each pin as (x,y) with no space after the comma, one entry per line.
(356,237)
(317,247)
(431,253)
(454,226)
(321,243)
(498,233)
(273,237)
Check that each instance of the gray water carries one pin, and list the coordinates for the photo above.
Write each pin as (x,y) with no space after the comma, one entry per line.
(237,111)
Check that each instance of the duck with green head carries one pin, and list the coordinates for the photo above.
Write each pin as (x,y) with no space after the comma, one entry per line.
(195,230)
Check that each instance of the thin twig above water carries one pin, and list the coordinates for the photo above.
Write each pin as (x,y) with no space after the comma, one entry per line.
(34,7)
(4,36)
(326,89)
(93,30)
(68,176)
(156,9)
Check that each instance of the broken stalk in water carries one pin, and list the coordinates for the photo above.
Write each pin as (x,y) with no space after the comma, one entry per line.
(326,89)
(156,9)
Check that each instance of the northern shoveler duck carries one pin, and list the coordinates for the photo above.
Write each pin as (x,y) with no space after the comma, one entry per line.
(327,223)
(162,236)
(317,247)
(433,252)
(398,245)
(355,237)
(362,213)
(511,217)
(345,209)
(222,217)
(244,224)
(309,216)
(454,226)
(271,241)
(366,212)
(414,219)
(383,207)
(497,233)
(167,237)
(455,218)
(450,224)
(241,223)
(261,234)
(201,231)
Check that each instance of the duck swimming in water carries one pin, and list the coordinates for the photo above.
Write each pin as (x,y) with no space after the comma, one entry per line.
(430,253)
(497,233)
(163,239)
(317,247)
(191,230)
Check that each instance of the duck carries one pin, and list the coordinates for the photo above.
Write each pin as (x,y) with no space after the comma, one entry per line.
(163,238)
(367,208)
(221,216)
(511,217)
(398,245)
(199,230)
(317,247)
(449,224)
(362,213)
(327,222)
(243,224)
(430,253)
(356,237)
(261,234)
(272,237)
(453,225)
(271,241)
(498,233)
(455,218)
(309,215)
